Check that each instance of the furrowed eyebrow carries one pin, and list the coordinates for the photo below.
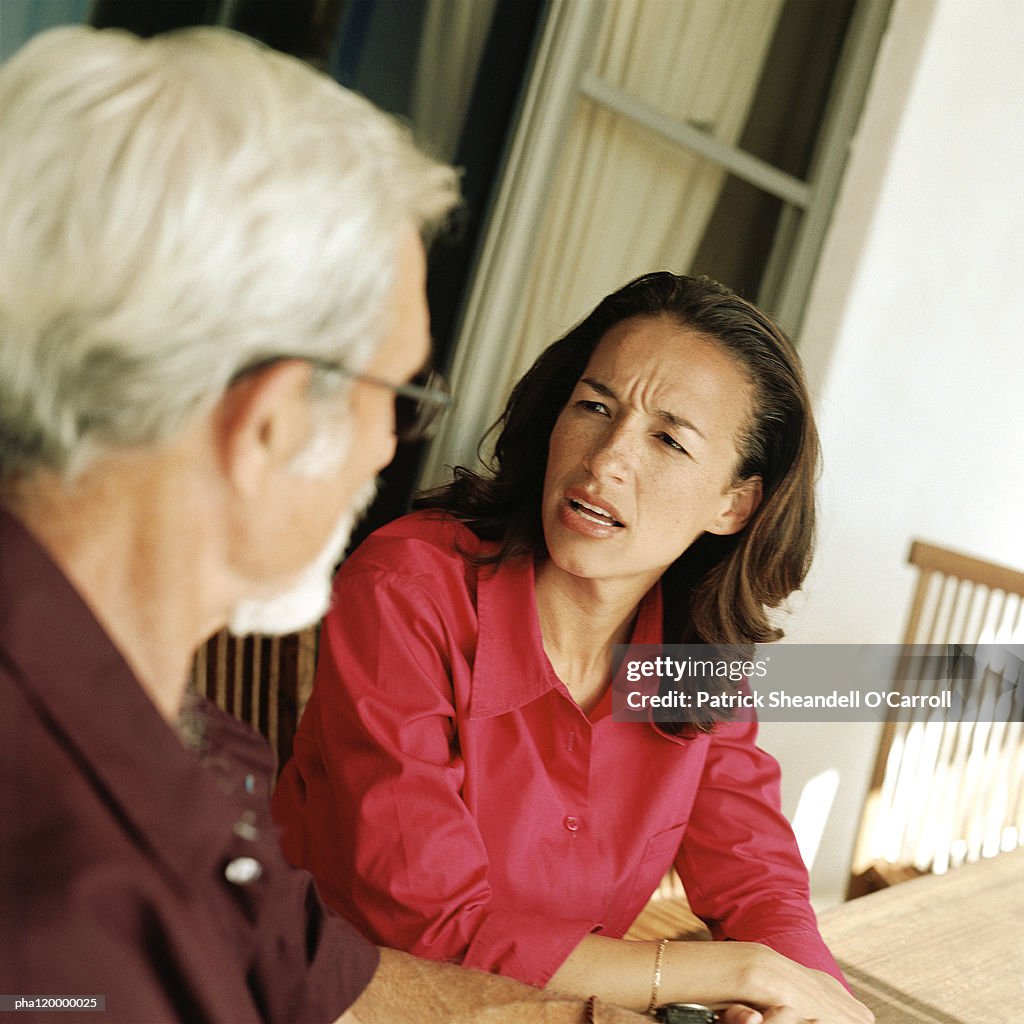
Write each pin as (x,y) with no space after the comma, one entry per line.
(601,389)
(679,422)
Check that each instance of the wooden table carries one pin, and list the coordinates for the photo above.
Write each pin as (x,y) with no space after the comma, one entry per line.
(945,949)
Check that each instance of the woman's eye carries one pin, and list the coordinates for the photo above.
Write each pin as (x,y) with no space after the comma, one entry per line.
(591,406)
(669,441)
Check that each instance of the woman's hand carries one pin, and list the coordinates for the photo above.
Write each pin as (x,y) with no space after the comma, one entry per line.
(713,973)
(736,1014)
(755,976)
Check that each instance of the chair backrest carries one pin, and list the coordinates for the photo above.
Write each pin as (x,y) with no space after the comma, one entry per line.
(262,680)
(943,793)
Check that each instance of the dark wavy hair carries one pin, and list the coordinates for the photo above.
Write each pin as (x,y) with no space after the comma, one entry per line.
(720,590)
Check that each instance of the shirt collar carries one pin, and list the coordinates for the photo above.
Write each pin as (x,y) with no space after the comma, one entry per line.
(511,668)
(85,693)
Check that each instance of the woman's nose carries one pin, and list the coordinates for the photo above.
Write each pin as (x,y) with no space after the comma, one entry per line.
(612,455)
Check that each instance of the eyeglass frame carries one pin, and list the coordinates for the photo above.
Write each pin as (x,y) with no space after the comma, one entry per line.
(436,398)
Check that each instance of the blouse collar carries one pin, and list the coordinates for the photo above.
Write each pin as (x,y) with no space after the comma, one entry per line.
(511,667)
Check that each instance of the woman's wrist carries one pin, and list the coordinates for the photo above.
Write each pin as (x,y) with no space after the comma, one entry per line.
(715,972)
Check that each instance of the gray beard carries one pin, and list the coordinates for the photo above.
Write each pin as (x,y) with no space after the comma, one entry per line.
(305,601)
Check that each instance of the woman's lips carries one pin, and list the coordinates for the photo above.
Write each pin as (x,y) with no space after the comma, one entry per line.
(594,512)
(589,517)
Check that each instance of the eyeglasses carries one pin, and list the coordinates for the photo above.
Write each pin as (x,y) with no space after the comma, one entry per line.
(418,404)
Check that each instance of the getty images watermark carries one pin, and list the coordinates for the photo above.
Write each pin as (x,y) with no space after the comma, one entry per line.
(819,682)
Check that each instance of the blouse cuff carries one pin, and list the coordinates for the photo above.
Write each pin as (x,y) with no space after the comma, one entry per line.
(806,948)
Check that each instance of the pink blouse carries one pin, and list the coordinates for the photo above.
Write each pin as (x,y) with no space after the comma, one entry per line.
(451,799)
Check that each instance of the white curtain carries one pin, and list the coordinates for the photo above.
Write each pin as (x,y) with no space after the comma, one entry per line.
(625,201)
(454,34)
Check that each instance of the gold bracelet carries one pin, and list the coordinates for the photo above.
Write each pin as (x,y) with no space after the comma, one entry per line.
(656,984)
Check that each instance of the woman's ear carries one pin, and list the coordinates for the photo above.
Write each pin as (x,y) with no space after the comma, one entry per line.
(262,422)
(742,501)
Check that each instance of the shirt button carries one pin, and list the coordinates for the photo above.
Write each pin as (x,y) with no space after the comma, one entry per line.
(243,870)
(572,823)
(245,829)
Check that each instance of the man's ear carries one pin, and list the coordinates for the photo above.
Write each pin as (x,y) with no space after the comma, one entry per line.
(742,501)
(262,422)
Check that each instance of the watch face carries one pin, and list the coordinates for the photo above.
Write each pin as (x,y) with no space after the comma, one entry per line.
(685,1013)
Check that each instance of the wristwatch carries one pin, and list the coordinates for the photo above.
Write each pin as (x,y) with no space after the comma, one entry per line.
(685,1013)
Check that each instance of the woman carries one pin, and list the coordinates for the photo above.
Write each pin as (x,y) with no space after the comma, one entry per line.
(459,788)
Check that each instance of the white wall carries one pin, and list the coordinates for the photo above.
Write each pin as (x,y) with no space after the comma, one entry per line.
(914,342)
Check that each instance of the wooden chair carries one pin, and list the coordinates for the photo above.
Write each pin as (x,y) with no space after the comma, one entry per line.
(945,793)
(264,681)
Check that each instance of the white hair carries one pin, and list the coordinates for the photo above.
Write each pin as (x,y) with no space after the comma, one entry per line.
(173,210)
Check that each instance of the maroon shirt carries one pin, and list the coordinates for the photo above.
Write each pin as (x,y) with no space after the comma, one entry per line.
(130,866)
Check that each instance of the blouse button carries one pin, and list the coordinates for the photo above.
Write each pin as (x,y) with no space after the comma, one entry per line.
(243,870)
(572,823)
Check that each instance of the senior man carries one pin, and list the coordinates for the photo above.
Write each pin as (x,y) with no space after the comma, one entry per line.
(211,291)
